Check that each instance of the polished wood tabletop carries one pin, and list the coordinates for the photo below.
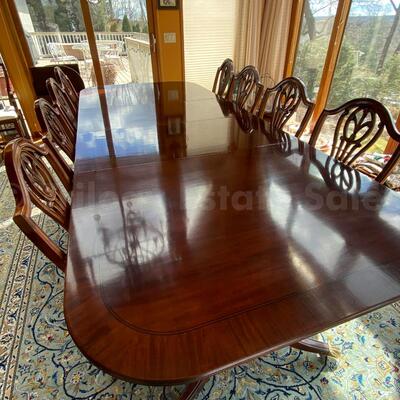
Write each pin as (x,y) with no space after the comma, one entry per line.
(200,240)
(135,123)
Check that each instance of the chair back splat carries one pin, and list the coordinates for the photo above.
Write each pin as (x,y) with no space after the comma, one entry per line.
(67,85)
(54,123)
(34,185)
(223,78)
(61,99)
(360,123)
(242,85)
(282,101)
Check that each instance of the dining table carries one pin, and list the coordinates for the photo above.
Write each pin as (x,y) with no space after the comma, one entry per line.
(202,237)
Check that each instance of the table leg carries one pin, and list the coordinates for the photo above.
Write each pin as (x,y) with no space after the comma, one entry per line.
(315,346)
(192,390)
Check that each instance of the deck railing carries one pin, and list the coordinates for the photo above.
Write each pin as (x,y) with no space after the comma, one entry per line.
(139,58)
(41,39)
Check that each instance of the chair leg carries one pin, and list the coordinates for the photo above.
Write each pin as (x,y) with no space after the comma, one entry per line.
(316,346)
(192,390)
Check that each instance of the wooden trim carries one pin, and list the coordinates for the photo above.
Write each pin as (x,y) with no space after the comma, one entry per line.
(182,41)
(92,43)
(392,144)
(11,48)
(155,63)
(332,56)
(21,34)
(168,21)
(294,36)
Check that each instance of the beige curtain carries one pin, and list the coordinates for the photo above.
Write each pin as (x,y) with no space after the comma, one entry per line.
(263,36)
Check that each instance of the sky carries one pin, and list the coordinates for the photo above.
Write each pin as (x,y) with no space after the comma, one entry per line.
(323,8)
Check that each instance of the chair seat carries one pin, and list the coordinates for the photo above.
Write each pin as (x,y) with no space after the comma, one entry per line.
(371,166)
(7,115)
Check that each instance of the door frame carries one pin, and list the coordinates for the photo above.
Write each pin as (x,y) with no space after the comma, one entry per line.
(153,39)
(151,7)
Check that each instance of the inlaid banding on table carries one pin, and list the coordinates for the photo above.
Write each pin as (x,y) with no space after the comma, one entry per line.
(312,291)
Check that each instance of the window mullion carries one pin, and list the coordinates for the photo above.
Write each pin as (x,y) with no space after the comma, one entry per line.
(294,36)
(332,56)
(392,144)
(92,43)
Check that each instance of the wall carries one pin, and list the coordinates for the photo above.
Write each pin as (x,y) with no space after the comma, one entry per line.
(170,54)
(210,33)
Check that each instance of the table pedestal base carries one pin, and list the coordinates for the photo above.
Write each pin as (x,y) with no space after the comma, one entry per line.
(315,346)
(311,345)
(193,389)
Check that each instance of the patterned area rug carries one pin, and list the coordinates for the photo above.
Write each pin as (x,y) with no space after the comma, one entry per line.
(38,359)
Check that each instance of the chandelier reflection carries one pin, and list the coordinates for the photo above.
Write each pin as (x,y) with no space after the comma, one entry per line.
(137,242)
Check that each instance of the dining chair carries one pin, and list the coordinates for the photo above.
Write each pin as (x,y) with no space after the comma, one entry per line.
(111,51)
(67,85)
(223,78)
(58,53)
(359,124)
(54,123)
(34,184)
(247,122)
(60,98)
(281,102)
(12,123)
(243,85)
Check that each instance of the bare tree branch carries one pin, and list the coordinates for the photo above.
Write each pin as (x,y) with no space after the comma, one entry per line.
(388,41)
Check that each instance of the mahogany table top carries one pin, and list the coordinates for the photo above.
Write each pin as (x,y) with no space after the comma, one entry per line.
(199,240)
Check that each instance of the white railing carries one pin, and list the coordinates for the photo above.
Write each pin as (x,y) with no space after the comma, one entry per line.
(139,58)
(41,39)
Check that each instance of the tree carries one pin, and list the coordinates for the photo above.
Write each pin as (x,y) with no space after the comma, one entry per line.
(98,13)
(68,16)
(135,26)
(62,17)
(143,12)
(343,79)
(75,14)
(114,26)
(126,26)
(390,83)
(38,15)
(310,20)
(397,51)
(109,9)
(389,37)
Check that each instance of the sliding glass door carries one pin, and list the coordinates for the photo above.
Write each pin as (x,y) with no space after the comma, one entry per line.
(316,29)
(55,33)
(122,40)
(369,58)
(369,51)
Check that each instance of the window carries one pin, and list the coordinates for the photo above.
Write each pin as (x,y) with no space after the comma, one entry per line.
(340,62)
(56,34)
(316,29)
(210,29)
(369,57)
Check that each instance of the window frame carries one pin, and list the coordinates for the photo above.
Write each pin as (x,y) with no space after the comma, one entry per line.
(332,56)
